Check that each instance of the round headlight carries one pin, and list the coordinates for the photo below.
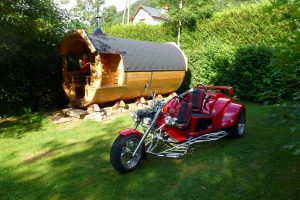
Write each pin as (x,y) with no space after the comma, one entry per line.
(170,120)
(147,120)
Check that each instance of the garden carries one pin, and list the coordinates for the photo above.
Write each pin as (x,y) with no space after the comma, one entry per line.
(253,46)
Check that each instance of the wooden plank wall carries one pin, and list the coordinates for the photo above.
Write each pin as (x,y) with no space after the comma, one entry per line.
(162,82)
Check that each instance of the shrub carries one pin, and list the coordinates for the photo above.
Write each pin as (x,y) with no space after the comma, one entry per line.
(249,74)
(140,31)
(238,47)
(30,32)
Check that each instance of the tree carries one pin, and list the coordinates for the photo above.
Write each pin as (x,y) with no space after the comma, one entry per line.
(109,14)
(30,32)
(185,13)
(86,11)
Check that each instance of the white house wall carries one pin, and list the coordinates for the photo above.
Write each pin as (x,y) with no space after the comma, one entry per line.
(143,16)
(157,20)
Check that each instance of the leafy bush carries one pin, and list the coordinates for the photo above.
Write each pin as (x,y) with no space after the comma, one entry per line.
(286,60)
(140,31)
(250,73)
(30,32)
(239,46)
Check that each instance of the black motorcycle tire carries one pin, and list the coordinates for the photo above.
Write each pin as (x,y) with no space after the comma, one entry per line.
(236,131)
(116,153)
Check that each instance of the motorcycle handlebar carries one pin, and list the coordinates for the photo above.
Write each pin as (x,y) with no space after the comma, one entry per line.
(181,98)
(144,113)
(183,94)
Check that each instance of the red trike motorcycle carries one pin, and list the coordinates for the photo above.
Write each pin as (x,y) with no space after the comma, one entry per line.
(168,129)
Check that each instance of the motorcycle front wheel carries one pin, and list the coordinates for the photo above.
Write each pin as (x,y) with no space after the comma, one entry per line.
(121,153)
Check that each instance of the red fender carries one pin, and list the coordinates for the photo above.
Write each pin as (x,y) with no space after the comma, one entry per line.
(231,113)
(220,105)
(130,131)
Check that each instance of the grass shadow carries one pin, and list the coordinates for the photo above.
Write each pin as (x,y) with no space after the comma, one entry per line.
(19,126)
(76,167)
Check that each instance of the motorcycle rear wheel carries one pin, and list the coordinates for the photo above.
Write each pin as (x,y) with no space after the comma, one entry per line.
(238,129)
(121,153)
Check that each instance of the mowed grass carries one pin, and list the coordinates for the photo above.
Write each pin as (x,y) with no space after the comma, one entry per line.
(42,160)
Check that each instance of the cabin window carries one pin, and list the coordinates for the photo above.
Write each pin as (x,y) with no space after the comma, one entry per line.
(110,69)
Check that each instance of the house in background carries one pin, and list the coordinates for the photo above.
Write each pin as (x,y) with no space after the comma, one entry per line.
(149,15)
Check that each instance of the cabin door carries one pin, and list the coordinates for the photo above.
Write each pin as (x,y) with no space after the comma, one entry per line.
(110,69)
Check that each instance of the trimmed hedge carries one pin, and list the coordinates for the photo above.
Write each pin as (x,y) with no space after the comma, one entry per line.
(238,47)
(140,31)
(250,73)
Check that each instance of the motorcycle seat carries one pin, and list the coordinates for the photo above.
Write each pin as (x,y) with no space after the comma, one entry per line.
(183,115)
(197,100)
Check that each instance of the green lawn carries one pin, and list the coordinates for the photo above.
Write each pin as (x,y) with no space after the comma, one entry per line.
(42,160)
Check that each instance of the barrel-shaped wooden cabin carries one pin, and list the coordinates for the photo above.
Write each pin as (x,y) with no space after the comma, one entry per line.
(119,68)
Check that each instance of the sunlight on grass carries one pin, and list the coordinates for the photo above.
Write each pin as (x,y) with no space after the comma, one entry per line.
(40,159)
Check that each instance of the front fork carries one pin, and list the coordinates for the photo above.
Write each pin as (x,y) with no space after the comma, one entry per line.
(146,132)
(136,124)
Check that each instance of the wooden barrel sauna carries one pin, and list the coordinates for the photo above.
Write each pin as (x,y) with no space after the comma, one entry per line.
(119,68)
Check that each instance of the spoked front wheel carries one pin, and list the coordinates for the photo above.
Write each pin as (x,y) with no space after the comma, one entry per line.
(121,153)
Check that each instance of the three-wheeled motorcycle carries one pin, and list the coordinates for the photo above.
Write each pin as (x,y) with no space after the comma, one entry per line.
(169,128)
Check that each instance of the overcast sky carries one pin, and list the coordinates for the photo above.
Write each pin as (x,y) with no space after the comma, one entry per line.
(120,4)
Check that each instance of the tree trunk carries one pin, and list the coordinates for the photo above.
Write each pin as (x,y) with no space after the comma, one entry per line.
(179,25)
(128,11)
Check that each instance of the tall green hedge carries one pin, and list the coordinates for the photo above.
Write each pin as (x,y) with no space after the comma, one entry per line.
(140,31)
(238,46)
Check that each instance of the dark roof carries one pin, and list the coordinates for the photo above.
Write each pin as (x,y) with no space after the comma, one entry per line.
(140,55)
(154,12)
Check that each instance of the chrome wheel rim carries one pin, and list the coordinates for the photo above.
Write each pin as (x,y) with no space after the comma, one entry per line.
(241,129)
(127,160)
(241,124)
